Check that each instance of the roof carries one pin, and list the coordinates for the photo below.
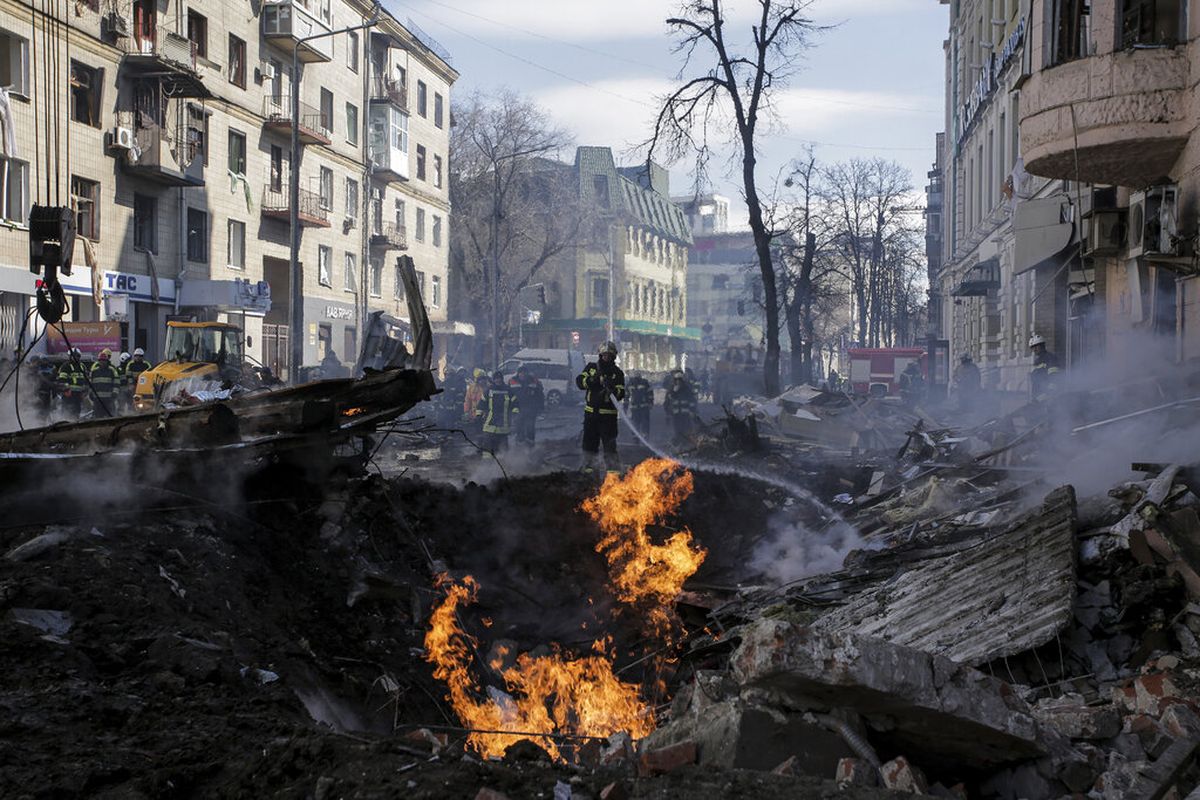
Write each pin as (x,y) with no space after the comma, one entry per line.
(215,325)
(646,207)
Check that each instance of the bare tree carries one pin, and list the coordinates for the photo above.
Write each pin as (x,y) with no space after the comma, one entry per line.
(512,213)
(732,83)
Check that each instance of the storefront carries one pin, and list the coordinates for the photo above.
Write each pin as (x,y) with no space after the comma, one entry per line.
(139,302)
(330,327)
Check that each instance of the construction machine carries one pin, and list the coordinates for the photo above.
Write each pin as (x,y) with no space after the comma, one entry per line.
(196,351)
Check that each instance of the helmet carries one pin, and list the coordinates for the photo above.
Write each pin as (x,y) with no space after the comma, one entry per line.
(479,372)
(608,347)
(497,375)
(76,352)
(1035,340)
(105,354)
(677,375)
(137,351)
(124,357)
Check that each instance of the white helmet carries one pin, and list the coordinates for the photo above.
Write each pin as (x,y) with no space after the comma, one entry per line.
(76,352)
(124,357)
(1035,340)
(137,351)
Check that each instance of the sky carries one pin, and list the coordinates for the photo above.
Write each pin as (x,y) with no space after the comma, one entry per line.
(871,86)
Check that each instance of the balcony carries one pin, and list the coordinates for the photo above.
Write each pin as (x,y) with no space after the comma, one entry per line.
(389,90)
(1130,112)
(158,153)
(167,56)
(312,213)
(980,279)
(314,127)
(287,23)
(389,236)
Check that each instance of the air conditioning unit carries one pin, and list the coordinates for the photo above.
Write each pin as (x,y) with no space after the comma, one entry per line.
(265,72)
(1152,221)
(117,25)
(121,139)
(1105,233)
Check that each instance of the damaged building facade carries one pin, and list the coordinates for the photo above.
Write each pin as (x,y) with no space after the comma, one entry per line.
(632,270)
(173,144)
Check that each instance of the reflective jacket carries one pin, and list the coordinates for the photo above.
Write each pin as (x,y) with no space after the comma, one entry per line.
(1043,379)
(105,379)
(602,386)
(133,369)
(530,395)
(497,407)
(640,394)
(681,400)
(71,373)
(475,393)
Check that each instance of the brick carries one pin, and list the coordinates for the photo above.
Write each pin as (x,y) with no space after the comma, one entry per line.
(901,776)
(1148,694)
(667,759)
(855,772)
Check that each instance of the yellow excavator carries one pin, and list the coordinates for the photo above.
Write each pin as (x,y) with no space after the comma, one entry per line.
(210,351)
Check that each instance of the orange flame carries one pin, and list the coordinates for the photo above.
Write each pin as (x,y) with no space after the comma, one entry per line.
(549,694)
(643,573)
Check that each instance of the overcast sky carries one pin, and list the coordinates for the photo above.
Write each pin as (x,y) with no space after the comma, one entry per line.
(872,85)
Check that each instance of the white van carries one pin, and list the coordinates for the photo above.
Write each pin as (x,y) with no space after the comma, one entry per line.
(556,369)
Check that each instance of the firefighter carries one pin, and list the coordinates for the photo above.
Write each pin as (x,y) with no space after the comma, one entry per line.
(1044,377)
(42,378)
(966,379)
(603,384)
(531,399)
(496,410)
(72,383)
(454,395)
(475,392)
(912,384)
(105,382)
(639,399)
(681,408)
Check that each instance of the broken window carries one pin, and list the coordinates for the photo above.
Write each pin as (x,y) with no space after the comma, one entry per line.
(237,61)
(1151,23)
(197,133)
(145,223)
(436,300)
(236,255)
(14,63)
(86,85)
(197,32)
(86,195)
(197,235)
(324,257)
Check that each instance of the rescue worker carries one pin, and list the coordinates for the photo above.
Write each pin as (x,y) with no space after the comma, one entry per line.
(531,399)
(639,399)
(105,381)
(912,384)
(125,388)
(681,407)
(455,394)
(834,382)
(136,366)
(42,377)
(474,395)
(603,384)
(966,378)
(72,383)
(1043,378)
(496,410)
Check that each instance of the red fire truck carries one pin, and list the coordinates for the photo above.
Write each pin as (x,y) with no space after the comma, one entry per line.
(876,370)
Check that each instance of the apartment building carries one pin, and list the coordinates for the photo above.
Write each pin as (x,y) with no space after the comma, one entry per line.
(172,130)
(635,269)
(1113,100)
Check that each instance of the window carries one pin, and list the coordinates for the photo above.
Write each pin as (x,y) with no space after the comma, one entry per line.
(421,161)
(399,213)
(87,207)
(350,342)
(324,340)
(348,282)
(437,231)
(197,32)
(436,299)
(351,198)
(438,110)
(327,109)
(237,61)
(398,287)
(86,86)
(421,283)
(352,51)
(420,232)
(1069,31)
(145,223)
(237,153)
(376,278)
(324,256)
(400,129)
(1151,22)
(197,235)
(197,133)
(14,62)
(422,105)
(14,177)
(600,183)
(276,176)
(326,188)
(236,255)
(599,298)
(437,171)
(352,124)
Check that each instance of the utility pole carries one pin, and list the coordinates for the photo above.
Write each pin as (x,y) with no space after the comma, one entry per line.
(495,233)
(296,295)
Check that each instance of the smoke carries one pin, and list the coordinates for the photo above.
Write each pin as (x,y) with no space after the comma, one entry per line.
(792,550)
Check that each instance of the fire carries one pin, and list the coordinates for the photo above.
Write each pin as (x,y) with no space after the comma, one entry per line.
(551,694)
(643,573)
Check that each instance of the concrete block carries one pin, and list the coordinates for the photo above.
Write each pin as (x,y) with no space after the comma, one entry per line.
(901,776)
(667,759)
(1181,722)
(855,772)
(1078,721)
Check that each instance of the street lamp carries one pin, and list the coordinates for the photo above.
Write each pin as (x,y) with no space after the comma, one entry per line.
(296,295)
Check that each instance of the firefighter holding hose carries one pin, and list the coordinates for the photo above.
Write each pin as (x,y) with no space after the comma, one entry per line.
(603,384)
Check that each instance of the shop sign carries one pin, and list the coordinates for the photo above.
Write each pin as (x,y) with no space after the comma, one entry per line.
(339,312)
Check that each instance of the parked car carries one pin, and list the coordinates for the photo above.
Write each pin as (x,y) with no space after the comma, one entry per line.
(556,369)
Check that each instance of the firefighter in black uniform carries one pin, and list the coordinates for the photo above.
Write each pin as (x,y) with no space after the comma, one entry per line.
(531,399)
(639,399)
(496,410)
(604,385)
(72,383)
(681,406)
(105,382)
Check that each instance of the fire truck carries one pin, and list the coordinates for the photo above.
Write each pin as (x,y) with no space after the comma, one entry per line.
(876,370)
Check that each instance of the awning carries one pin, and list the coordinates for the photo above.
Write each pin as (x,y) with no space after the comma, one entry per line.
(629,325)
(452,328)
(980,279)
(1042,229)
(234,296)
